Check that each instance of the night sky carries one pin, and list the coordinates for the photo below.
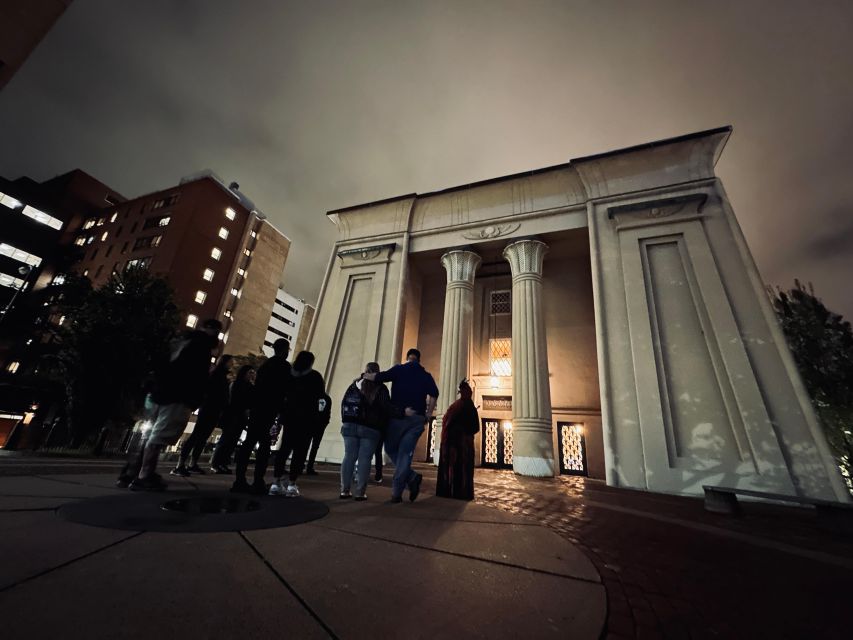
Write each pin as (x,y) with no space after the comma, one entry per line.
(312,106)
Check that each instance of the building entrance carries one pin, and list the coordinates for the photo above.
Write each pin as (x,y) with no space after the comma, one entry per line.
(496,443)
(572,447)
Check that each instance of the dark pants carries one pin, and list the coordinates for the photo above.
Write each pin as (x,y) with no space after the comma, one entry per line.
(258,433)
(295,440)
(316,438)
(378,455)
(227,443)
(194,446)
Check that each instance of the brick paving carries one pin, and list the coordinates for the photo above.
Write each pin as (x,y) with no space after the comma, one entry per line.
(672,570)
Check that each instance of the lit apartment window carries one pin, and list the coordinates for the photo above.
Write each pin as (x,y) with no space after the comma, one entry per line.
(223,233)
(89,223)
(12,367)
(101,222)
(221,335)
(230,213)
(241,273)
(41,216)
(59,278)
(224,338)
(113,217)
(19,254)
(61,320)
(215,253)
(208,274)
(248,252)
(234,292)
(85,272)
(104,236)
(228,313)
(254,234)
(192,321)
(200,297)
(157,221)
(10,202)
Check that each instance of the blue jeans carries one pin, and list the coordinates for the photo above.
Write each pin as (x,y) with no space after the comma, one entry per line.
(359,444)
(400,443)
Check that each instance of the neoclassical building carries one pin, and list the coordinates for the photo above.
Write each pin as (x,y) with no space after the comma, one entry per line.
(608,311)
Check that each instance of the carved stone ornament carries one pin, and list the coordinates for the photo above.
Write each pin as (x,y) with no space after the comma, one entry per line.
(492,231)
(366,254)
(665,208)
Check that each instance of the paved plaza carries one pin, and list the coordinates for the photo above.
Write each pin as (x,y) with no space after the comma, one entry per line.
(530,558)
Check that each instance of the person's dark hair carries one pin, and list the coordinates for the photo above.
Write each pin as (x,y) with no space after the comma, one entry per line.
(224,363)
(369,387)
(243,373)
(281,347)
(413,352)
(303,361)
(212,323)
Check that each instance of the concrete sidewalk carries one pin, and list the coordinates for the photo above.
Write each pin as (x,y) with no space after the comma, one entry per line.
(432,569)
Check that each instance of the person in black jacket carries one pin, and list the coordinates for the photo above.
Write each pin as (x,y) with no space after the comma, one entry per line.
(365,412)
(271,388)
(299,419)
(234,418)
(209,413)
(319,429)
(177,391)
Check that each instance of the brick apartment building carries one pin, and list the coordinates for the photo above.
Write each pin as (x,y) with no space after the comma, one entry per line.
(219,253)
(222,257)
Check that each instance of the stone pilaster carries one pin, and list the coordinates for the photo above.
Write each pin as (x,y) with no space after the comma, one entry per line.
(533,450)
(456,331)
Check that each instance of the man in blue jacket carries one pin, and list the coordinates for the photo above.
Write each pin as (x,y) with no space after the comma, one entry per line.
(412,387)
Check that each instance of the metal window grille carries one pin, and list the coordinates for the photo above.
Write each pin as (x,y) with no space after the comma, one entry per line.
(572,448)
(500,357)
(501,302)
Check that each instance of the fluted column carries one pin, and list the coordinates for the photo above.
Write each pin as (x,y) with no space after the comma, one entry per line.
(533,450)
(456,332)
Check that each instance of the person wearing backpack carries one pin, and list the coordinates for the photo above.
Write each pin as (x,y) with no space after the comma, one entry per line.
(366,409)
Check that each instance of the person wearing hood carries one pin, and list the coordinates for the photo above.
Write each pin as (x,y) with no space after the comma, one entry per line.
(178,389)
(298,419)
(456,457)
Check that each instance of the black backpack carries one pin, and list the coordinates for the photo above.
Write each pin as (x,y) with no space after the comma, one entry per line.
(352,405)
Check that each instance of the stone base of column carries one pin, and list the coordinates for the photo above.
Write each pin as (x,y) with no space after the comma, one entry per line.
(532,448)
(436,429)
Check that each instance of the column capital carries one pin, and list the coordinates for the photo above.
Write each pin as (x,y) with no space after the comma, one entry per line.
(460,265)
(525,257)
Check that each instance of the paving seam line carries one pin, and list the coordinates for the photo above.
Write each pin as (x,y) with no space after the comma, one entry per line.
(69,562)
(461,555)
(287,586)
(417,518)
(82,484)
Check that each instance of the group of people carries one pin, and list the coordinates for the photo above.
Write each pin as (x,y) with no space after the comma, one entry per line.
(289,401)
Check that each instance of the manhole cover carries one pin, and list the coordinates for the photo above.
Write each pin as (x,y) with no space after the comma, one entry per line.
(187,512)
(211,504)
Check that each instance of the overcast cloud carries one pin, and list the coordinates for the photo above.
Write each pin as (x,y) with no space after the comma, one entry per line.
(312,106)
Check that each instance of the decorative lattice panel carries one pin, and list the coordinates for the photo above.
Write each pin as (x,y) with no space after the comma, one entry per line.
(507,434)
(501,303)
(490,441)
(572,448)
(500,356)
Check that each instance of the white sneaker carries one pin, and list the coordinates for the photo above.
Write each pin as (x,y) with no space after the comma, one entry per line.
(276,489)
(292,491)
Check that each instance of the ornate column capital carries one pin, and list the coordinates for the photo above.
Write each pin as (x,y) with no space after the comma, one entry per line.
(525,257)
(461,266)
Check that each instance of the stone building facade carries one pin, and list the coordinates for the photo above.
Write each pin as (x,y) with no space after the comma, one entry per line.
(608,311)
